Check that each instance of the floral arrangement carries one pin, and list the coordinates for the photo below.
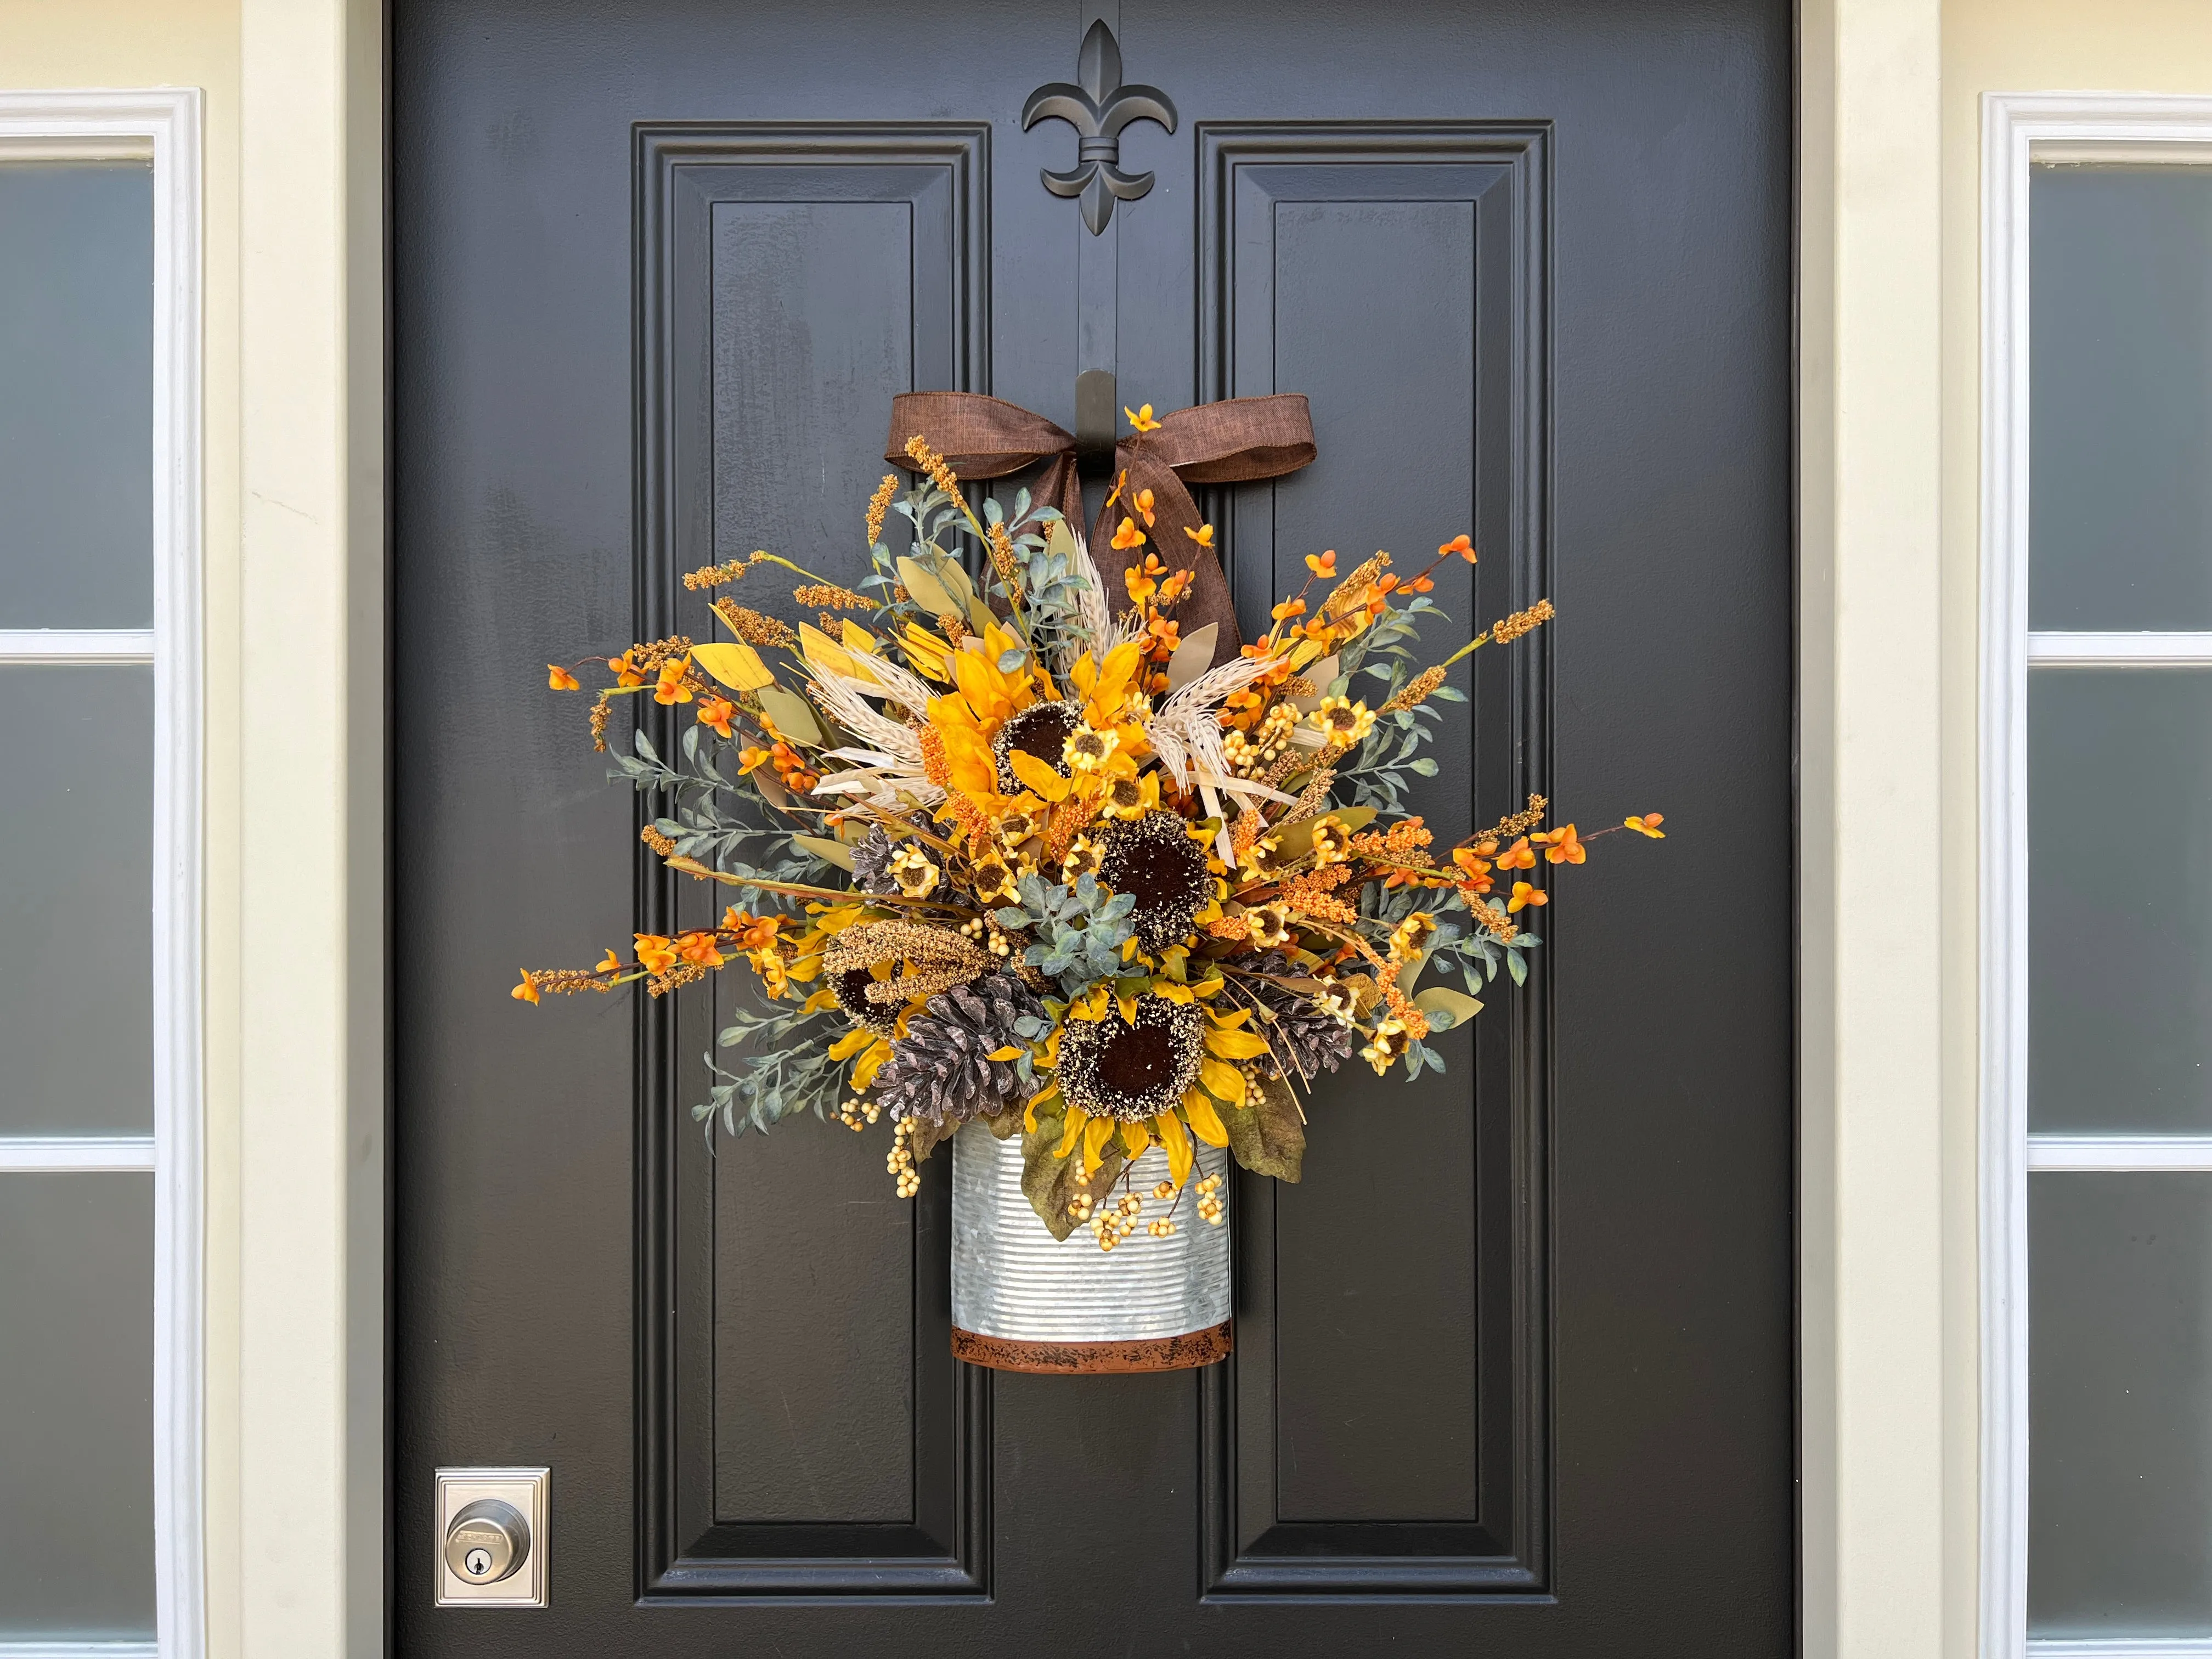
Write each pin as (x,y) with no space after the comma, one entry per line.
(1015,849)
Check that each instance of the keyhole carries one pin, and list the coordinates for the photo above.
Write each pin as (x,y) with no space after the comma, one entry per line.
(479,1562)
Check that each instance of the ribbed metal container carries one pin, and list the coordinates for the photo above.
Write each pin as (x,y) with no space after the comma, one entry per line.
(1041,1304)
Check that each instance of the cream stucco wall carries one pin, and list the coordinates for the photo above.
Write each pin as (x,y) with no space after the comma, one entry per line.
(49,45)
(1996,46)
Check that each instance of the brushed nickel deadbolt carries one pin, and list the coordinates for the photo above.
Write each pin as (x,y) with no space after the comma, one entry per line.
(487,1542)
(491,1537)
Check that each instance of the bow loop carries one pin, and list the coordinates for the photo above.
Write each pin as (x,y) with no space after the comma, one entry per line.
(1235,442)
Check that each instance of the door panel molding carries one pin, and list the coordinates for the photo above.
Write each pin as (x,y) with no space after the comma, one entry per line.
(1496,1543)
(937,174)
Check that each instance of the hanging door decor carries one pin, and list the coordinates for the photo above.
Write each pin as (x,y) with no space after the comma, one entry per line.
(1028,854)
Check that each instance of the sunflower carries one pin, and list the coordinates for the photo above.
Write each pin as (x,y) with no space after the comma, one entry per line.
(1133,1070)
(1155,858)
(1042,732)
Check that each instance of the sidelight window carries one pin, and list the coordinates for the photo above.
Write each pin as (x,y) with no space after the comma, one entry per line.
(99,876)
(2097,814)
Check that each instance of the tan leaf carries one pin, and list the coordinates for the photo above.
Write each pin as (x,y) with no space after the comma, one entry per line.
(793,714)
(1192,658)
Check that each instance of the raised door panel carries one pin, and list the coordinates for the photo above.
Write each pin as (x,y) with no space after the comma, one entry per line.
(1380,1432)
(807,1430)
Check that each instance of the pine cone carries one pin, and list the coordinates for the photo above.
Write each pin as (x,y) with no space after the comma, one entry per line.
(942,1068)
(1306,1039)
(872,857)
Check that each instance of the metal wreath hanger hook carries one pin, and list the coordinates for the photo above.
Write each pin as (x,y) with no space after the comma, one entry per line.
(1098,109)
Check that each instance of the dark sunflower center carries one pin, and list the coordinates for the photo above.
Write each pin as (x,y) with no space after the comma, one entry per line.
(850,990)
(1041,732)
(1137,1060)
(1155,860)
(1111,1068)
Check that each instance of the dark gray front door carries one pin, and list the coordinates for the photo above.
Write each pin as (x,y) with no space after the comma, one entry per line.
(1513,1373)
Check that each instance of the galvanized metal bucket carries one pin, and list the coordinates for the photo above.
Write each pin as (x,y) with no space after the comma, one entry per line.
(1023,1301)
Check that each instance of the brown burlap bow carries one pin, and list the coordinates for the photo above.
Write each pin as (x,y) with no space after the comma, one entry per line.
(1233,441)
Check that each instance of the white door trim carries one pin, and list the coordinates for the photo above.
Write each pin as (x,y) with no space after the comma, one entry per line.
(163,125)
(2017,130)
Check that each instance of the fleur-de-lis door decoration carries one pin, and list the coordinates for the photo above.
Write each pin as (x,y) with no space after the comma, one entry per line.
(1098,109)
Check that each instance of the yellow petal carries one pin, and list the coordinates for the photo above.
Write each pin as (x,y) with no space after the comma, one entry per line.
(1136,1137)
(820,1002)
(1204,1121)
(1037,775)
(864,1070)
(1231,1022)
(1096,1135)
(851,1043)
(1180,1153)
(1040,1097)
(857,638)
(1128,1010)
(1225,1081)
(1234,1045)
(1012,1051)
(1078,1121)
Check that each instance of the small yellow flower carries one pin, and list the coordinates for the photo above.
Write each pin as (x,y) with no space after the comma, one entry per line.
(1322,564)
(656,954)
(527,991)
(558,679)
(1343,720)
(1390,1041)
(1127,536)
(750,759)
(1524,894)
(1332,842)
(1337,998)
(609,963)
(1141,419)
(911,869)
(1411,935)
(1203,536)
(1647,823)
(624,668)
(1269,924)
(1089,750)
(1130,798)
(1083,857)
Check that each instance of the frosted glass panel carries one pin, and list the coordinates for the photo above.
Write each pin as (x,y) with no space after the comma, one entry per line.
(76,395)
(2120,378)
(2119,768)
(77,1423)
(76,828)
(2120,1405)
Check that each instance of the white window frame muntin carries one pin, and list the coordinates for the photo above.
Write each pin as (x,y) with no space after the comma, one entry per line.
(2019,129)
(163,126)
